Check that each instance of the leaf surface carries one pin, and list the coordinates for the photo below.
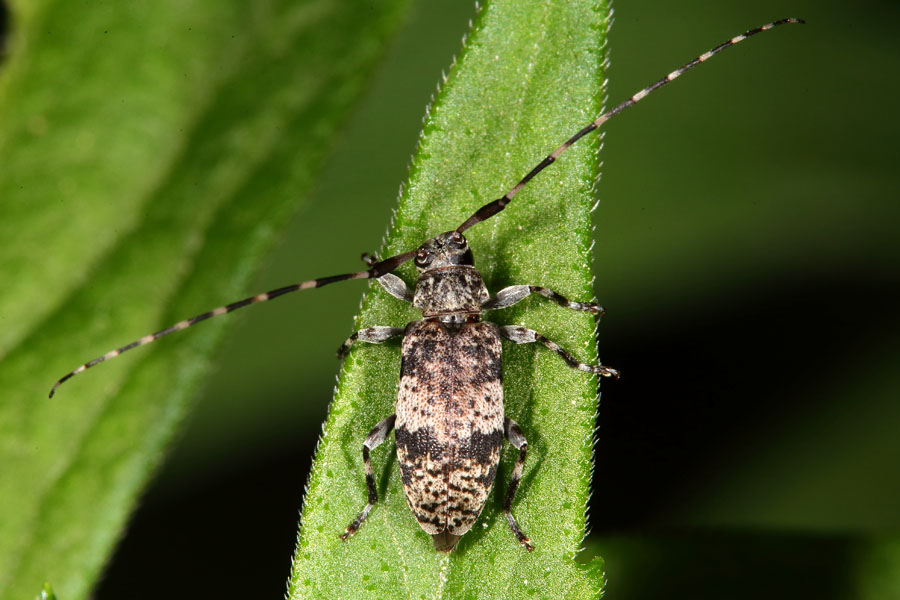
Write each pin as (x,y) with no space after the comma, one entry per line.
(529,76)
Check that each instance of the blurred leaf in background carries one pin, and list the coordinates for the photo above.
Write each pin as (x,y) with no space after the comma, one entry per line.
(151,153)
(750,218)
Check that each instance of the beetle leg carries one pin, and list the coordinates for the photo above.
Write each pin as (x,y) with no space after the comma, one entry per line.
(523,335)
(395,286)
(372,441)
(516,437)
(373,335)
(516,293)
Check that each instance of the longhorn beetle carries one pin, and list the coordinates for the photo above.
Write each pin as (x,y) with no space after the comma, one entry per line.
(449,421)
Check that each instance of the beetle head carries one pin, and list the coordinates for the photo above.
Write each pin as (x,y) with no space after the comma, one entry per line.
(447,249)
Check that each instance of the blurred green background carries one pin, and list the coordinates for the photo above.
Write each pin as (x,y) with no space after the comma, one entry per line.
(747,254)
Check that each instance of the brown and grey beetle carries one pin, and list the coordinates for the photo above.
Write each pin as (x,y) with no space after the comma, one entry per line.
(449,417)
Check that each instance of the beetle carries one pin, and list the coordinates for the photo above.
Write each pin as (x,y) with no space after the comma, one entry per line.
(449,417)
(449,420)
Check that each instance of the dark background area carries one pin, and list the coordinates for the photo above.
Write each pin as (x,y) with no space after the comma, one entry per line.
(4,28)
(747,256)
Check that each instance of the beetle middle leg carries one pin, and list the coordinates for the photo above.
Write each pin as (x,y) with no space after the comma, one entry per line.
(373,335)
(516,437)
(523,335)
(372,441)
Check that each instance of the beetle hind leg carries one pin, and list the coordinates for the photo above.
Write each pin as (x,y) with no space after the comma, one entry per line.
(372,441)
(516,437)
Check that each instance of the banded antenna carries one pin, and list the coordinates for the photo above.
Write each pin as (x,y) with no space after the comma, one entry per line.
(379,268)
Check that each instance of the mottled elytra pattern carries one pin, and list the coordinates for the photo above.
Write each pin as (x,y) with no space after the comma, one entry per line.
(449,416)
(449,421)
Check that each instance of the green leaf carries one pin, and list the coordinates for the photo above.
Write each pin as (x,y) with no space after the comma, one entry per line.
(878,569)
(529,76)
(46,593)
(150,152)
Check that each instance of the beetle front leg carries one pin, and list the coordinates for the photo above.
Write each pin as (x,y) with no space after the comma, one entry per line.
(395,286)
(516,293)
(392,284)
(523,335)
(372,441)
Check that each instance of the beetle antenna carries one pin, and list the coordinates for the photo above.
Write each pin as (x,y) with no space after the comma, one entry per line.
(492,208)
(377,269)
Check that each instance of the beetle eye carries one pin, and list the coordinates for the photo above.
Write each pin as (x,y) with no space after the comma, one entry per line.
(423,258)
